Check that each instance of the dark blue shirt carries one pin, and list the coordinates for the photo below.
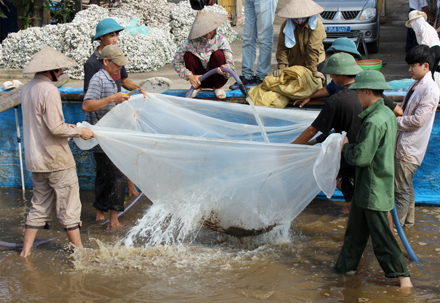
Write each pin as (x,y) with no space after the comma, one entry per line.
(333,88)
(93,65)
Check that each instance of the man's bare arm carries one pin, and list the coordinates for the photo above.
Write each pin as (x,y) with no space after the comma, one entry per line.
(90,105)
(306,135)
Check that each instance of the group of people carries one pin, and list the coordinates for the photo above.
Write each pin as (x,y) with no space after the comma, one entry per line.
(47,153)
(384,146)
(300,43)
(385,143)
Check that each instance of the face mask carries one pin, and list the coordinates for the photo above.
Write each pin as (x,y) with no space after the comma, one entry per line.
(299,20)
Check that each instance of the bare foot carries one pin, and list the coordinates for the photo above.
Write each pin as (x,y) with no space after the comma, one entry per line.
(346,209)
(29,238)
(132,191)
(99,215)
(78,248)
(220,93)
(405,282)
(25,254)
(114,221)
(195,92)
(114,225)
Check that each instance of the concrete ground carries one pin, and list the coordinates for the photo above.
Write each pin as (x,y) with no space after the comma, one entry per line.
(391,51)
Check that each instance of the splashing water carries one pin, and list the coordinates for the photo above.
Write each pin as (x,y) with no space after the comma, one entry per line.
(159,227)
(226,181)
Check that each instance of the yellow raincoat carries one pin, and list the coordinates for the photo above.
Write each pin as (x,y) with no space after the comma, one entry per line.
(295,82)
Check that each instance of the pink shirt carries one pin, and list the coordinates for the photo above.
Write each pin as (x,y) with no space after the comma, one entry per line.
(414,127)
(45,133)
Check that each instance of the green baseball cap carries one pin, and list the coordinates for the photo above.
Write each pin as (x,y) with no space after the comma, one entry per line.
(341,64)
(114,53)
(370,79)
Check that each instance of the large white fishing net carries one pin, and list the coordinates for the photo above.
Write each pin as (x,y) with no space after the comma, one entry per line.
(206,163)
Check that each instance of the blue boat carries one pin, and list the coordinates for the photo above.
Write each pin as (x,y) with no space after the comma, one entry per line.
(426,181)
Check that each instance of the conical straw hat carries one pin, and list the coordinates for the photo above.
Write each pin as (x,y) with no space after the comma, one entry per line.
(300,9)
(206,22)
(48,59)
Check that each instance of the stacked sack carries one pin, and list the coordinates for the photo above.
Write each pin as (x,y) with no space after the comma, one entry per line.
(169,24)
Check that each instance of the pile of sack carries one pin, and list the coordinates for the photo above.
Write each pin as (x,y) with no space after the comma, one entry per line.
(164,27)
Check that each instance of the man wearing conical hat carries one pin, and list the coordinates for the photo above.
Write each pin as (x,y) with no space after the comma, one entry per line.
(107,33)
(203,51)
(47,153)
(301,37)
(340,113)
(372,155)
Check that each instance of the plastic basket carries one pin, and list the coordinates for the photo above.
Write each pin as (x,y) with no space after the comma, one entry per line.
(374,64)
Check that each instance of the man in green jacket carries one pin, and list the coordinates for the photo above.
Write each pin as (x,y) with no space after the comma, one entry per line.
(373,157)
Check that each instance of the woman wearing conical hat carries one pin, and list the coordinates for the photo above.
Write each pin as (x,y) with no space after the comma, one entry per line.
(301,37)
(204,50)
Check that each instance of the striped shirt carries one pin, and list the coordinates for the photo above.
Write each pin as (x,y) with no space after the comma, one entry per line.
(101,86)
(414,127)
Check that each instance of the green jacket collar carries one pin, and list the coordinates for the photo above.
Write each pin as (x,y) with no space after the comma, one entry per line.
(371,108)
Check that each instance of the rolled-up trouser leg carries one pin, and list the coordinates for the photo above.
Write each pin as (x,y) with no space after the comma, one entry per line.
(355,240)
(42,207)
(385,245)
(58,191)
(404,191)
(113,183)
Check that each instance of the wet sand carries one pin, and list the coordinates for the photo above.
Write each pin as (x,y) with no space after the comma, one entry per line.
(213,268)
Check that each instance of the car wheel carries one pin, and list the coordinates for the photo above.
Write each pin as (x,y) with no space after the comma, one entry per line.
(373,47)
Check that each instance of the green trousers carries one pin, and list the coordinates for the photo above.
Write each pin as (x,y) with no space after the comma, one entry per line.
(362,223)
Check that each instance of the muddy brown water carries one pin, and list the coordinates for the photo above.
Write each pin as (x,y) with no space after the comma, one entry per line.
(213,268)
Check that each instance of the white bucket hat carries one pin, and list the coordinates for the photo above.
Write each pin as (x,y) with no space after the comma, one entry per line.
(300,9)
(48,59)
(206,22)
(414,15)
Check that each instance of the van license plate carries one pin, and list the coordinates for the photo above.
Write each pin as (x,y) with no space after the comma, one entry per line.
(338,29)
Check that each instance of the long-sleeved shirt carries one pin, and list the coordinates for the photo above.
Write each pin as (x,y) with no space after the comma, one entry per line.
(425,33)
(202,48)
(45,132)
(308,50)
(414,127)
(373,156)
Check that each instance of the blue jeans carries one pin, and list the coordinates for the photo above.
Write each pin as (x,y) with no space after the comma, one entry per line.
(259,17)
